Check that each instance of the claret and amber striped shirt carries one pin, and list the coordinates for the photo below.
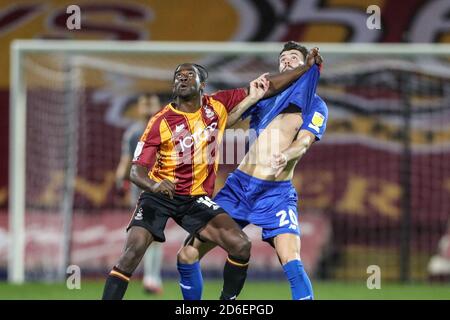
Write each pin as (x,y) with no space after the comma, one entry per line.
(184,146)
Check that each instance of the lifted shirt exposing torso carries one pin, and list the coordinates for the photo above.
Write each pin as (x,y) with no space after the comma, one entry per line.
(276,121)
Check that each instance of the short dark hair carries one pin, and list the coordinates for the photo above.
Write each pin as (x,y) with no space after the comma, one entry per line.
(292,45)
(202,72)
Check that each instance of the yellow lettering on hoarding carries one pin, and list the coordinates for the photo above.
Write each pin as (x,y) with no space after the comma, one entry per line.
(353,201)
(318,188)
(49,197)
(95,192)
(363,194)
(386,200)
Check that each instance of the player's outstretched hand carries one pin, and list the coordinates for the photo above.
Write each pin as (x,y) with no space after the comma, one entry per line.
(166,187)
(259,87)
(278,162)
(314,57)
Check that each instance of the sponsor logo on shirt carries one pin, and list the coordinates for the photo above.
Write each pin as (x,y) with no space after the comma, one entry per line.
(198,136)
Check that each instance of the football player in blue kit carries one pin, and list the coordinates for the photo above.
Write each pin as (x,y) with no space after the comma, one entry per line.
(260,190)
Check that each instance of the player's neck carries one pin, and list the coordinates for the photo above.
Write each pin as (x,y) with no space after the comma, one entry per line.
(191,104)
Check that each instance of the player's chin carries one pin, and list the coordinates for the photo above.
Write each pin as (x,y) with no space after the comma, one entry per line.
(185,93)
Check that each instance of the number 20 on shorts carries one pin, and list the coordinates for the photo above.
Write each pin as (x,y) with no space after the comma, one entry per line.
(285,219)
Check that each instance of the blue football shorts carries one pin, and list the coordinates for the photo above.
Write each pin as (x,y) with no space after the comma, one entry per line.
(271,205)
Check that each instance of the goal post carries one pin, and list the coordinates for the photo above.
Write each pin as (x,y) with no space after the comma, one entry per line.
(16,268)
(64,110)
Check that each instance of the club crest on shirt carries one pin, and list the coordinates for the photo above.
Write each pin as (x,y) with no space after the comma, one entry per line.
(209,113)
(179,127)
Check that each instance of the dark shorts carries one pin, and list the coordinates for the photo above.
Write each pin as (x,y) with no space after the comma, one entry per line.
(192,213)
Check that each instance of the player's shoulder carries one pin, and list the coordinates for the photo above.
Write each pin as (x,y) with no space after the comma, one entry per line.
(214,96)
(163,112)
(226,100)
(224,92)
(227,94)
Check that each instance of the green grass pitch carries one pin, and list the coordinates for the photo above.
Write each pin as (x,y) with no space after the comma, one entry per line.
(253,290)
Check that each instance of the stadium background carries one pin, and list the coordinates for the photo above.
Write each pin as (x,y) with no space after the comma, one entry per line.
(351,187)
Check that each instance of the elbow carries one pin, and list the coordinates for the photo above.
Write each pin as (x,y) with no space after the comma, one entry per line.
(304,147)
(300,150)
(138,173)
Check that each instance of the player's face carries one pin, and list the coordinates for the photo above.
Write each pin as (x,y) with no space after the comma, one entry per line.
(148,106)
(290,59)
(186,81)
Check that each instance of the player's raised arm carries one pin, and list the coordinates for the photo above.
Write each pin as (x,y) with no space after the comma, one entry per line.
(257,89)
(280,81)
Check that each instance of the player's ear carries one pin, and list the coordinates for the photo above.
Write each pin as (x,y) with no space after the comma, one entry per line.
(202,85)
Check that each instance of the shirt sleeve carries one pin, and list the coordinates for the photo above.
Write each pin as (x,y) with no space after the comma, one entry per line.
(316,120)
(230,98)
(148,146)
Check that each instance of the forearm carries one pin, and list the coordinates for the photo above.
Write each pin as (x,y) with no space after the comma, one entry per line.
(298,147)
(139,176)
(295,151)
(237,112)
(280,81)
